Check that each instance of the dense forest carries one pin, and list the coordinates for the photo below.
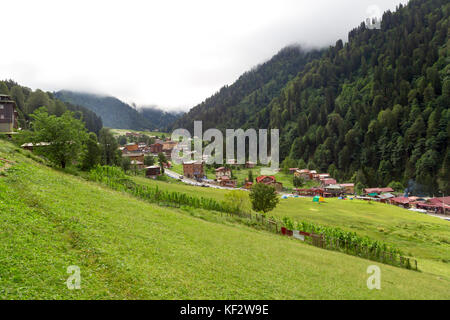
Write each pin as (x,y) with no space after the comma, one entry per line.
(28,101)
(233,105)
(372,110)
(117,114)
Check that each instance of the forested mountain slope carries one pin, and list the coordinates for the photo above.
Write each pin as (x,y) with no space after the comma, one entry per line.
(233,105)
(117,114)
(372,110)
(28,101)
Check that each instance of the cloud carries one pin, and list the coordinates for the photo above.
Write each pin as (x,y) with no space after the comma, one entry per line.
(168,53)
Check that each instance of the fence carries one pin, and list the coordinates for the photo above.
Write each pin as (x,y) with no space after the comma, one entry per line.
(363,251)
(118,181)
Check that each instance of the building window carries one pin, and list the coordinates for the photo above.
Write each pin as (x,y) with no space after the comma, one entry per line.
(2,107)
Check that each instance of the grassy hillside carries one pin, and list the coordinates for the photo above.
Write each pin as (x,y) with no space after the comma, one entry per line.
(424,237)
(129,249)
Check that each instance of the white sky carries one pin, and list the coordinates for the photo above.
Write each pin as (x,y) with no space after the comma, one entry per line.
(169,53)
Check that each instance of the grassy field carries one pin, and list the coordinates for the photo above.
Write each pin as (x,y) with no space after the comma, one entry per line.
(129,249)
(424,237)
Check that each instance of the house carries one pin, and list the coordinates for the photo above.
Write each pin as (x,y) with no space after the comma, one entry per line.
(134,156)
(305,174)
(152,172)
(156,148)
(193,169)
(375,191)
(328,181)
(321,176)
(227,182)
(385,197)
(292,170)
(8,114)
(400,201)
(131,147)
(333,190)
(438,205)
(30,146)
(250,164)
(223,172)
(270,181)
(138,164)
(349,188)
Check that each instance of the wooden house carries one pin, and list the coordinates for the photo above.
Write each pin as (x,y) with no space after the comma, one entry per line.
(8,114)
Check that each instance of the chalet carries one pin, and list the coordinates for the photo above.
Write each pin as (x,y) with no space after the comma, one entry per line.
(152,172)
(311,192)
(305,174)
(223,172)
(156,148)
(438,205)
(333,190)
(131,147)
(193,169)
(321,176)
(8,114)
(400,201)
(271,181)
(385,197)
(349,188)
(167,148)
(138,164)
(327,181)
(134,156)
(225,181)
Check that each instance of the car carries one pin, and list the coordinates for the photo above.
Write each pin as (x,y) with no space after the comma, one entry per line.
(181,177)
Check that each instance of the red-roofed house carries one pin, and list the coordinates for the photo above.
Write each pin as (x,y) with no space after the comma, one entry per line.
(271,181)
(327,181)
(400,201)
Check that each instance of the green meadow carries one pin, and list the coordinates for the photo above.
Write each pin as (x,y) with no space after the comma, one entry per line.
(423,237)
(129,249)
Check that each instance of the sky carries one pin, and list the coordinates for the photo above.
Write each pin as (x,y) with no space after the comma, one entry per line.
(173,54)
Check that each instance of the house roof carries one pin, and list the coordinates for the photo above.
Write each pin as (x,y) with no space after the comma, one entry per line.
(261,178)
(136,154)
(344,185)
(328,181)
(386,196)
(378,190)
(402,200)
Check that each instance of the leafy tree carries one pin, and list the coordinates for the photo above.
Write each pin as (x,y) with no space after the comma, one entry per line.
(65,136)
(397,186)
(161,160)
(264,198)
(92,154)
(298,181)
(108,147)
(149,160)
(250,176)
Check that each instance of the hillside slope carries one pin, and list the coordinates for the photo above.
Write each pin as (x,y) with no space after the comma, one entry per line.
(129,249)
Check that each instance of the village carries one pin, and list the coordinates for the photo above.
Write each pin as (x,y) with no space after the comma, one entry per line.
(325,186)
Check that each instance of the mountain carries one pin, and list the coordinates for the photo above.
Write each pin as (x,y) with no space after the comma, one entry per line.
(373,110)
(162,120)
(28,101)
(234,105)
(117,114)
